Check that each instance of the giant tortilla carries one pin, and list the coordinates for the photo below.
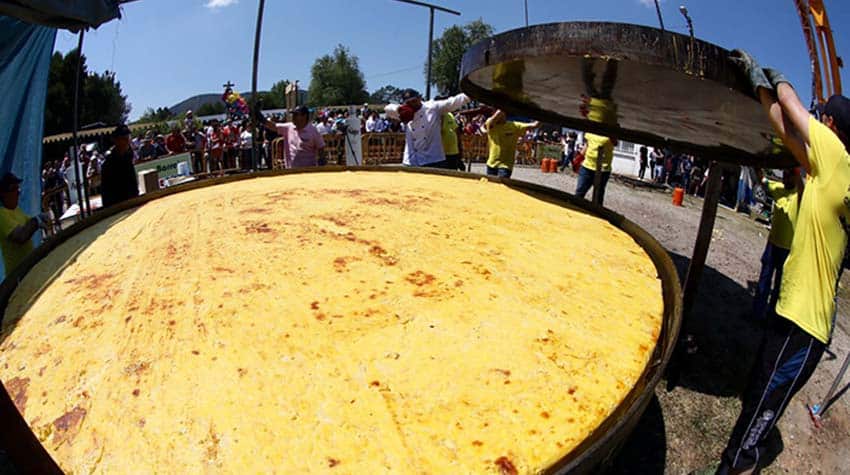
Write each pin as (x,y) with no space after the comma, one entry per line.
(334,322)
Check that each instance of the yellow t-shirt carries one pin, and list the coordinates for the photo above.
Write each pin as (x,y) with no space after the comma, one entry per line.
(810,273)
(595,145)
(449,134)
(13,253)
(784,213)
(502,139)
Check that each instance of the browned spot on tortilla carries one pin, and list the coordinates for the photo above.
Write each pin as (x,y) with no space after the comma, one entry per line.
(477,443)
(136,392)
(320,316)
(382,254)
(506,467)
(171,323)
(78,322)
(314,305)
(420,278)
(68,425)
(17,389)
(196,352)
(259,228)
(91,281)
(59,320)
(137,368)
(242,372)
(141,422)
(571,391)
(458,283)
(257,210)
(126,320)
(544,415)
(505,372)
(375,384)
(332,462)
(213,441)
(224,269)
(341,263)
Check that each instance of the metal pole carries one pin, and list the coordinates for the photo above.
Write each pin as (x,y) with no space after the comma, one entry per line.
(255,147)
(526,13)
(658,10)
(430,49)
(75,125)
(430,35)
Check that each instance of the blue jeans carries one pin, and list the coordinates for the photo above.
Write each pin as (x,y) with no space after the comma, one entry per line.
(499,172)
(772,261)
(585,182)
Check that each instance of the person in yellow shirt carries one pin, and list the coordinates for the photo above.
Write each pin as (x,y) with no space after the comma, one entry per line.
(449,135)
(502,137)
(800,326)
(16,228)
(600,151)
(786,198)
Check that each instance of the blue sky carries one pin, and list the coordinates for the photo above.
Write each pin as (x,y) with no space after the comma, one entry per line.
(167,50)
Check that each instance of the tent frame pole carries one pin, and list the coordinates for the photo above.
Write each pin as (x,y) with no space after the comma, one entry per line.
(75,127)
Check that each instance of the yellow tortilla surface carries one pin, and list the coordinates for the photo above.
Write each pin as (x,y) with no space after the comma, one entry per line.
(348,322)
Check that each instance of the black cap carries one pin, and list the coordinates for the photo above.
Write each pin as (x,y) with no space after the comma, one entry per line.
(301,110)
(838,107)
(8,181)
(121,131)
(409,94)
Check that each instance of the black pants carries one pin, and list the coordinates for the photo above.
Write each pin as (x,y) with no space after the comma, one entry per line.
(445,164)
(786,359)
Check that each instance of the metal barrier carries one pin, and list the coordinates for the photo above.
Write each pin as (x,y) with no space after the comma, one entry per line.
(388,148)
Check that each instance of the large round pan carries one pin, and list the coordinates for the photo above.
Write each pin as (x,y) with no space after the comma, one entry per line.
(598,449)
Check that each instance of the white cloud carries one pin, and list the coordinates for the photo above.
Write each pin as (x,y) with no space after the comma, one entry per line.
(646,3)
(212,4)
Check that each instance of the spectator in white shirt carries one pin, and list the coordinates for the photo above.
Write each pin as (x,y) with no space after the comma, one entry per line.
(373,123)
(246,147)
(423,143)
(324,126)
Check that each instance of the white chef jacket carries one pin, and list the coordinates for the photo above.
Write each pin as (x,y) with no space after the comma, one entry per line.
(423,142)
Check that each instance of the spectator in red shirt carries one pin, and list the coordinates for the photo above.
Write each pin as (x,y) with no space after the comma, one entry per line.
(175,142)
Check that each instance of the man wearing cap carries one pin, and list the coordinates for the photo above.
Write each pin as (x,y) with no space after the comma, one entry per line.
(800,326)
(304,145)
(118,176)
(16,228)
(423,143)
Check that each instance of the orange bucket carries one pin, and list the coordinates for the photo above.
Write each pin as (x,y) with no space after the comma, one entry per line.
(544,165)
(553,165)
(678,196)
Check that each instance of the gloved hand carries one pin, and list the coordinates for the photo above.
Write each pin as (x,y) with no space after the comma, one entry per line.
(775,77)
(751,70)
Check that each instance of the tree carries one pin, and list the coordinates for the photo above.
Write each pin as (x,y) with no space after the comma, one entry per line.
(210,108)
(385,95)
(337,80)
(448,53)
(161,114)
(101,99)
(276,97)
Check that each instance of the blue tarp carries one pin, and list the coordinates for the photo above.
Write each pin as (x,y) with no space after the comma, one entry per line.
(69,14)
(25,51)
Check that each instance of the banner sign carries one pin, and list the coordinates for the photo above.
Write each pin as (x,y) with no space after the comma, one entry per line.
(167,167)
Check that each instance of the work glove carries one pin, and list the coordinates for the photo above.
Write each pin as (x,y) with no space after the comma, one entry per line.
(751,70)
(775,77)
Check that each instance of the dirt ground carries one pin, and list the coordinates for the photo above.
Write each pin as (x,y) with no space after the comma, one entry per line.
(686,428)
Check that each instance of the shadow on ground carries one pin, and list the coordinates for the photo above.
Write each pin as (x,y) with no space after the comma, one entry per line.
(726,336)
(646,449)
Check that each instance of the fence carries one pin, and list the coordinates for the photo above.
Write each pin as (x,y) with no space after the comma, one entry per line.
(388,148)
